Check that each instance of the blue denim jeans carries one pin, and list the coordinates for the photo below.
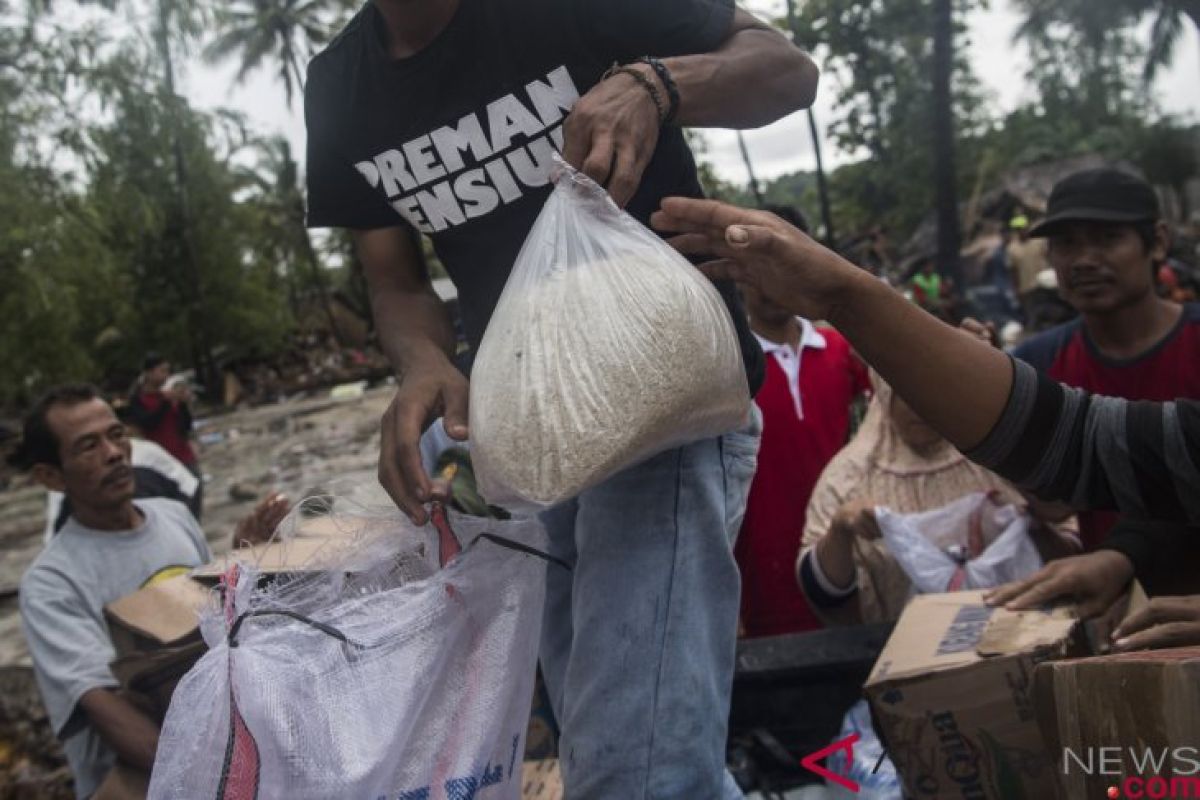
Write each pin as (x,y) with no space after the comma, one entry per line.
(638,641)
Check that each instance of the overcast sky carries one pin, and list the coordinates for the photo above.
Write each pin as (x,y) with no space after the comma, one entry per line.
(776,149)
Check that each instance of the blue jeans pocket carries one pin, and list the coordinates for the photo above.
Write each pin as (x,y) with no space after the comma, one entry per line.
(739,454)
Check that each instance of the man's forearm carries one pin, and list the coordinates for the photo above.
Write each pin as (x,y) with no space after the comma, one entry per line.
(756,77)
(131,734)
(414,328)
(955,382)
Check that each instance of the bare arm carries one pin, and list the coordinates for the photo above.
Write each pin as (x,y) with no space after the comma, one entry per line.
(418,338)
(920,356)
(835,550)
(129,732)
(715,88)
(948,376)
(754,77)
(1139,458)
(413,323)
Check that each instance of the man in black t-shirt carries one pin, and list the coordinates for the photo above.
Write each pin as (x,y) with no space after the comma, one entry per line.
(445,114)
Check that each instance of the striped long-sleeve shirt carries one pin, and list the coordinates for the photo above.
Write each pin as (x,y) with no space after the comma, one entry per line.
(1139,458)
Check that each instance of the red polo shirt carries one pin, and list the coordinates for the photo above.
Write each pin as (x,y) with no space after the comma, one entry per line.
(805,402)
(1167,371)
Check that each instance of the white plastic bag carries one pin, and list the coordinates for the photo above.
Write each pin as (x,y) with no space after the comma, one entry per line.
(972,543)
(605,348)
(386,677)
(870,766)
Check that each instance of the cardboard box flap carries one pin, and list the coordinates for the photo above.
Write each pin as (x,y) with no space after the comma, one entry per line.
(324,526)
(165,612)
(939,632)
(293,555)
(1012,632)
(936,632)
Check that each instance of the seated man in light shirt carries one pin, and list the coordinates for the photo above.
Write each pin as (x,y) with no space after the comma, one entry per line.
(112,545)
(156,473)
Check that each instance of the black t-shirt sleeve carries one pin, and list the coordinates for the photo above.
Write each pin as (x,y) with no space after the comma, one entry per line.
(338,194)
(627,29)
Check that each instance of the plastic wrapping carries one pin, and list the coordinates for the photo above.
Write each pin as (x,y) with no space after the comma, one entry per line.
(380,675)
(972,543)
(605,348)
(869,767)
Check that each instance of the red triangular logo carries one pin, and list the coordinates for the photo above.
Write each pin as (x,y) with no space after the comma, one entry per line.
(810,762)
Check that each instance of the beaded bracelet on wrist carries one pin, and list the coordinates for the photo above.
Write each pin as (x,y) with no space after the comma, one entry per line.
(668,82)
(645,83)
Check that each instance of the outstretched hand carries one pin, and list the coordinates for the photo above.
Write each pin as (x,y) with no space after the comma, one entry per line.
(259,525)
(759,249)
(1093,581)
(1165,622)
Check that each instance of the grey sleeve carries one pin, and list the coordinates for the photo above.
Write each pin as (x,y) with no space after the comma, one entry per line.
(180,516)
(69,644)
(1103,453)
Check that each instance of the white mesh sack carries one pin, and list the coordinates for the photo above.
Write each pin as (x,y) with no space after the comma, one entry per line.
(382,676)
(605,348)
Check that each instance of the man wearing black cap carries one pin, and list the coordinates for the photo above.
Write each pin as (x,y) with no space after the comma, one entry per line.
(1106,242)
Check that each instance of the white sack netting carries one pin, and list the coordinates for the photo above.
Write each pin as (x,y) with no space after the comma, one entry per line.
(380,675)
(605,348)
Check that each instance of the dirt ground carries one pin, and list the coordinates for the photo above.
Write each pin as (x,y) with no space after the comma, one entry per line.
(301,447)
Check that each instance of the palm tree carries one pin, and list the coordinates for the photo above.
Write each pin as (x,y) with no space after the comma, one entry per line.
(275,181)
(1167,30)
(287,32)
(1095,20)
(173,24)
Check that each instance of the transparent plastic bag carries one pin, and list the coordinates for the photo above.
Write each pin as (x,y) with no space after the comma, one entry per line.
(973,543)
(605,348)
(382,674)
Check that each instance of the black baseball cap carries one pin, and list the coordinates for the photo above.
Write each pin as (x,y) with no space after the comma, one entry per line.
(1098,195)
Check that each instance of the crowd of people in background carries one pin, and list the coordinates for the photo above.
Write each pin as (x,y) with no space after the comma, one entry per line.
(1101,248)
(445,118)
(838,447)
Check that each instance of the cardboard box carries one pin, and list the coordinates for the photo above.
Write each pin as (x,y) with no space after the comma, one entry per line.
(541,780)
(155,632)
(952,697)
(294,555)
(160,615)
(1131,716)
